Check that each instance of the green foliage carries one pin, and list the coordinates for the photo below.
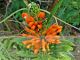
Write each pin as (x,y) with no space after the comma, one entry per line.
(69,12)
(16,5)
(17,51)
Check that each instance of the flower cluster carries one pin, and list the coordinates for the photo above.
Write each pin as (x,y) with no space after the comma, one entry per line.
(34,24)
(40,39)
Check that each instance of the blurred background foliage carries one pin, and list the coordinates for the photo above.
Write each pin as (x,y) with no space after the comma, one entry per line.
(70,12)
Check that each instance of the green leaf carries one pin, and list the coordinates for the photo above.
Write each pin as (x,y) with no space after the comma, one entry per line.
(19,39)
(37,58)
(67,48)
(64,57)
(8,43)
(54,10)
(52,58)
(2,56)
(21,53)
(67,42)
(25,53)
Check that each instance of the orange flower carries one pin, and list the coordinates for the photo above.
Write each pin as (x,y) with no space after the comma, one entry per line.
(57,42)
(27,42)
(30,24)
(30,31)
(37,30)
(24,15)
(29,46)
(27,35)
(51,41)
(30,19)
(33,27)
(59,29)
(41,15)
(36,51)
(54,29)
(44,43)
(39,26)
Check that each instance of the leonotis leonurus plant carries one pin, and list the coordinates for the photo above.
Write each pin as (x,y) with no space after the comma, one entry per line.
(41,37)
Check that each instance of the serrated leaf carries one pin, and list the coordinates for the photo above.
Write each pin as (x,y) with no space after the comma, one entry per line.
(25,54)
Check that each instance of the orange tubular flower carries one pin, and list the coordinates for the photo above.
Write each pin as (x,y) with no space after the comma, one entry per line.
(27,35)
(37,46)
(29,46)
(41,15)
(57,42)
(27,42)
(29,19)
(30,31)
(30,24)
(24,15)
(54,29)
(33,27)
(39,26)
(44,45)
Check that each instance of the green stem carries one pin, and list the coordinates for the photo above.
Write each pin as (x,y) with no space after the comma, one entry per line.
(6,15)
(56,21)
(12,15)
